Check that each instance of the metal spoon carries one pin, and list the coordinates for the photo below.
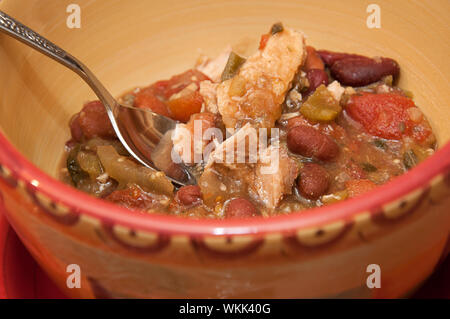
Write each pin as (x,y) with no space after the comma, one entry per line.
(139,130)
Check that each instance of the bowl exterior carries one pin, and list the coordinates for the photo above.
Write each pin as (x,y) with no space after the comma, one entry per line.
(406,238)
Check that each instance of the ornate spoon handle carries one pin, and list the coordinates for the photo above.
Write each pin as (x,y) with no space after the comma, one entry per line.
(17,30)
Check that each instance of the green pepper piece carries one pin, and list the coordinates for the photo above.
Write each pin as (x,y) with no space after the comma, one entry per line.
(125,171)
(234,63)
(369,167)
(409,159)
(321,106)
(75,171)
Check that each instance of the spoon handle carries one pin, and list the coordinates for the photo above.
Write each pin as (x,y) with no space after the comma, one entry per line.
(17,30)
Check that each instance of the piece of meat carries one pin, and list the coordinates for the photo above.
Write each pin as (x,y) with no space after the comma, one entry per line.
(213,68)
(274,179)
(208,90)
(229,154)
(187,144)
(264,175)
(256,93)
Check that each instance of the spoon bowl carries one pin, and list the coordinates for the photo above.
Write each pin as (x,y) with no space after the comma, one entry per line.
(145,133)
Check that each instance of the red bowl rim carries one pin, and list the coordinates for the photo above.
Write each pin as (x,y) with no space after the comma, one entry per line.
(109,213)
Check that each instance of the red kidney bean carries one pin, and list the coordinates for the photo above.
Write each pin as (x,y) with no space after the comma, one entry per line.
(309,142)
(360,72)
(316,77)
(189,195)
(313,181)
(313,60)
(296,121)
(330,57)
(240,208)
(94,121)
(75,128)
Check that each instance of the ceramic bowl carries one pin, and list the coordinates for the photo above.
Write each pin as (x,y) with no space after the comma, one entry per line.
(403,227)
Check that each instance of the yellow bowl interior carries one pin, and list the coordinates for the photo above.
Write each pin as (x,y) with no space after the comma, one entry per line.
(133,43)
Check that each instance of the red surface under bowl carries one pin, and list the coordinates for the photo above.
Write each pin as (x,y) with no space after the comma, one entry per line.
(21,277)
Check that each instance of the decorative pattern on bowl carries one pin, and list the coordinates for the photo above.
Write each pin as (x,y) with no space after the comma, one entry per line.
(403,226)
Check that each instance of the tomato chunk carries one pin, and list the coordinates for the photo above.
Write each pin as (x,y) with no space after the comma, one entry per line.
(387,115)
(358,187)
(313,60)
(132,197)
(179,82)
(177,98)
(148,99)
(182,107)
(263,41)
